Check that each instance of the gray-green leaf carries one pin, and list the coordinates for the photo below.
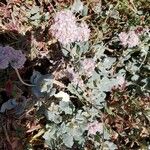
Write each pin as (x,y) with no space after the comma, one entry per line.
(68,140)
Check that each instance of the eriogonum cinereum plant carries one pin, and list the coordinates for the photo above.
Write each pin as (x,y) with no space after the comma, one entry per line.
(92,48)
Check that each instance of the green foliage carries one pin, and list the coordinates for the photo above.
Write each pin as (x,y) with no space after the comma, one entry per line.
(115,94)
(43,84)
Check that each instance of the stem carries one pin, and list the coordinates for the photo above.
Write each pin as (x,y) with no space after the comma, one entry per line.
(143,61)
(59,83)
(21,80)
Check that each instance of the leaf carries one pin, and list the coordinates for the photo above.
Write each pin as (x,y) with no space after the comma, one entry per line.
(77,133)
(111,145)
(62,128)
(49,134)
(108,62)
(35,23)
(34,10)
(106,135)
(83,47)
(43,84)
(65,52)
(68,140)
(11,104)
(85,11)
(52,116)
(99,50)
(98,97)
(37,92)
(105,84)
(65,97)
(67,47)
(35,76)
(114,14)
(93,113)
(35,17)
(79,117)
(77,6)
(47,16)
(52,92)
(134,77)
(73,90)
(64,106)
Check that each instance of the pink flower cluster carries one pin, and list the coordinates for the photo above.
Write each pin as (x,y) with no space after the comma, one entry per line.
(74,77)
(9,55)
(94,127)
(83,32)
(66,30)
(88,66)
(131,39)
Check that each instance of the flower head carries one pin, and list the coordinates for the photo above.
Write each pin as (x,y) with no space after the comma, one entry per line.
(94,127)
(123,37)
(83,32)
(17,59)
(9,55)
(66,30)
(3,58)
(133,39)
(129,39)
(88,66)
(74,77)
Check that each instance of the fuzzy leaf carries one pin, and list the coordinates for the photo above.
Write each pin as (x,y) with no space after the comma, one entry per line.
(77,6)
(64,106)
(34,10)
(65,97)
(111,145)
(68,140)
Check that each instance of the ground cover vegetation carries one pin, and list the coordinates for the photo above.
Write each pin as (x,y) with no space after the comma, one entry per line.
(74,75)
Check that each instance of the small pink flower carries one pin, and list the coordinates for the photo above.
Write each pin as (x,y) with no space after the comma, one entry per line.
(129,39)
(17,59)
(9,55)
(66,30)
(123,37)
(74,77)
(88,66)
(83,32)
(133,39)
(95,127)
(77,80)
(70,73)
(4,59)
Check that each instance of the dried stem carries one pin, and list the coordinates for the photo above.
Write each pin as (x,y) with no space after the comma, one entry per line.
(21,80)
(59,83)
